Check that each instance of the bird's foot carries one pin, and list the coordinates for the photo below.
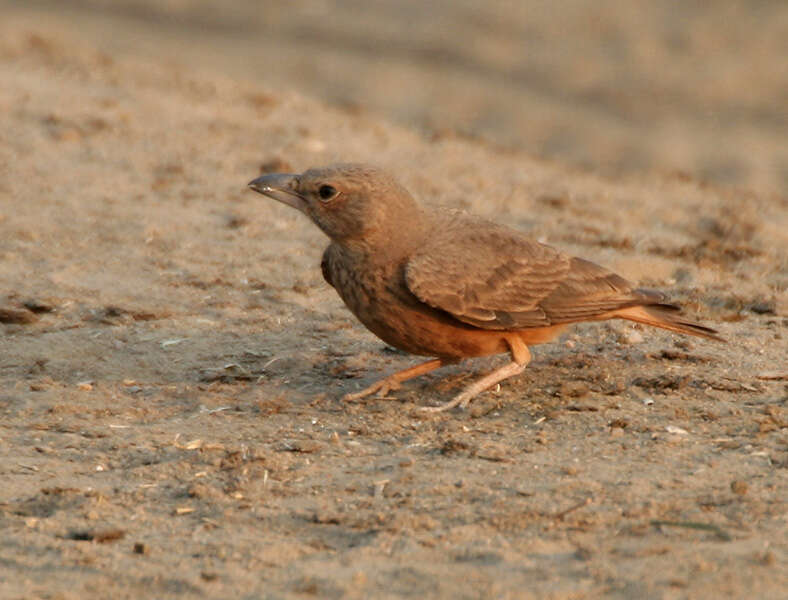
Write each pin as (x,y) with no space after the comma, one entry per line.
(463,399)
(392,382)
(380,388)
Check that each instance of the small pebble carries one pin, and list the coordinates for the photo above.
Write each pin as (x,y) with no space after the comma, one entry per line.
(632,336)
(739,487)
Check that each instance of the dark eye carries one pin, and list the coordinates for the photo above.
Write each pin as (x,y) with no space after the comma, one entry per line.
(326,192)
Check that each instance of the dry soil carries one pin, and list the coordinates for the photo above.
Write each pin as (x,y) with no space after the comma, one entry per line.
(171,365)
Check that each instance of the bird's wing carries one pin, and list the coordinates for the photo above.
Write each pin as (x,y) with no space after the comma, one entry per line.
(494,277)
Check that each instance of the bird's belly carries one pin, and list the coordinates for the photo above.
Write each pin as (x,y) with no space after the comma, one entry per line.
(409,325)
(417,333)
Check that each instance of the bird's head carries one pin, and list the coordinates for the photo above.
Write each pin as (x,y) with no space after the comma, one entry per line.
(351,203)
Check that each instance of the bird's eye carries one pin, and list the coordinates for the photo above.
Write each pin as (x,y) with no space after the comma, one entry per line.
(327,192)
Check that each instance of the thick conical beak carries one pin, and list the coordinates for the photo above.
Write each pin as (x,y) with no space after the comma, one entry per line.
(280,186)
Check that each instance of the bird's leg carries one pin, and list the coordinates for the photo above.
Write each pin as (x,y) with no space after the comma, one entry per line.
(464,398)
(520,359)
(392,382)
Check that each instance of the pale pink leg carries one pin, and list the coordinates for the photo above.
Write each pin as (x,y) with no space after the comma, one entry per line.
(464,398)
(392,382)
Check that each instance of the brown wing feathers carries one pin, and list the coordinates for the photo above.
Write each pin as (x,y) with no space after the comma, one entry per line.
(529,285)
(589,291)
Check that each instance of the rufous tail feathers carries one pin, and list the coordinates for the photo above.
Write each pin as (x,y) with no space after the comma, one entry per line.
(668,317)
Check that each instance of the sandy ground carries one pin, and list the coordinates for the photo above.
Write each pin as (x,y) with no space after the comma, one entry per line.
(171,364)
(619,87)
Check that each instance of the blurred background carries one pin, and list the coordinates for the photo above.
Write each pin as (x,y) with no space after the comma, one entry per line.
(684,88)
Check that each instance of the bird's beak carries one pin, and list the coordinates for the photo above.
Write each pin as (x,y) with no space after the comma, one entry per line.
(280,186)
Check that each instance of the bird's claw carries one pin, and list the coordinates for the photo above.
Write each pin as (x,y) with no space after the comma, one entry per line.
(380,389)
(462,400)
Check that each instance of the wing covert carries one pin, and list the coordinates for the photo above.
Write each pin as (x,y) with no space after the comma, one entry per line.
(494,277)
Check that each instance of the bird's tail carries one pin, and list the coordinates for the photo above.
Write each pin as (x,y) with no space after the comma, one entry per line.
(666,316)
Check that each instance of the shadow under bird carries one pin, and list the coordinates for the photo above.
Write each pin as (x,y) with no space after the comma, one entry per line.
(442,283)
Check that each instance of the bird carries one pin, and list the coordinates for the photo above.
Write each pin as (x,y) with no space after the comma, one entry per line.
(442,283)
